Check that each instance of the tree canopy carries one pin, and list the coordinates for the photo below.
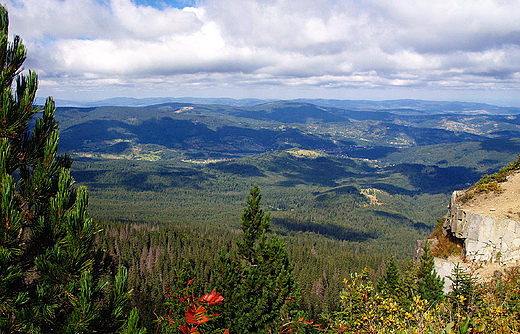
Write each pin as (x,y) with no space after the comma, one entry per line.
(257,279)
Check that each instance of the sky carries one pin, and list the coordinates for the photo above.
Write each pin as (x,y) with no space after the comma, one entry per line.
(87,50)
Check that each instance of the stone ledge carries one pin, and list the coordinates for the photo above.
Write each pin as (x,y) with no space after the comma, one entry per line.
(484,239)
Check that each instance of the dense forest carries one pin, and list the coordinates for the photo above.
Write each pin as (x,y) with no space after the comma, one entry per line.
(266,217)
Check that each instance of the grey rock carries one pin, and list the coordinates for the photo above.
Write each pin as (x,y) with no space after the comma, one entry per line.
(484,239)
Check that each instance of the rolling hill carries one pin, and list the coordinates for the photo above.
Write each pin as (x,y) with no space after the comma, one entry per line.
(378,177)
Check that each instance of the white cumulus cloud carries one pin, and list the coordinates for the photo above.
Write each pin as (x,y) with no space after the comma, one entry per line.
(104,45)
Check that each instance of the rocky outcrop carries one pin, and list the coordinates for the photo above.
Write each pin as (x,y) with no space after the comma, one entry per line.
(484,238)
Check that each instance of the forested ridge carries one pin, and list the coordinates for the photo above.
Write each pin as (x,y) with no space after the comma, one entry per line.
(277,217)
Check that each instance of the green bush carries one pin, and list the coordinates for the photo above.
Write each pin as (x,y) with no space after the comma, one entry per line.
(491,183)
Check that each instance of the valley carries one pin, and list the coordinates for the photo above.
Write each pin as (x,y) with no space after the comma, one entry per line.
(161,156)
(345,188)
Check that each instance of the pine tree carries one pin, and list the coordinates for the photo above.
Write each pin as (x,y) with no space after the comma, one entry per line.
(464,285)
(429,284)
(390,282)
(256,280)
(52,279)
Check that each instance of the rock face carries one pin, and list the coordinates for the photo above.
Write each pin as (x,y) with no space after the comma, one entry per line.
(484,238)
(444,269)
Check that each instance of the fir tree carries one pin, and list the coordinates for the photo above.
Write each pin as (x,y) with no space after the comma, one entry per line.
(429,284)
(463,285)
(52,279)
(390,282)
(257,279)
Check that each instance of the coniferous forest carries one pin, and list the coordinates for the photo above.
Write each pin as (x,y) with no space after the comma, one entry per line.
(281,217)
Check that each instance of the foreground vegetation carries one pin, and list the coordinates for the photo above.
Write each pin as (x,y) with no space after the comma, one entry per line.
(402,301)
(471,307)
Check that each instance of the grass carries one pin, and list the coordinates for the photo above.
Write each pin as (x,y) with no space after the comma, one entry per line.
(491,183)
(447,245)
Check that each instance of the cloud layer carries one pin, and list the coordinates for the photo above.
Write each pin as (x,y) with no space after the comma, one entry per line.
(121,47)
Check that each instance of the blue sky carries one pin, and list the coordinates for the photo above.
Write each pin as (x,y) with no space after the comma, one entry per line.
(466,50)
(166,3)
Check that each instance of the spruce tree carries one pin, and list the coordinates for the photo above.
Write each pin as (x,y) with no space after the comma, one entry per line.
(429,284)
(52,279)
(256,280)
(463,285)
(390,282)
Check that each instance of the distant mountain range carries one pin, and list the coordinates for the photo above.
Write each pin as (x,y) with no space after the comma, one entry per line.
(404,107)
(185,130)
(372,172)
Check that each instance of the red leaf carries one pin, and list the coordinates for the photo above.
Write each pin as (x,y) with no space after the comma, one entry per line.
(196,316)
(212,298)
(184,329)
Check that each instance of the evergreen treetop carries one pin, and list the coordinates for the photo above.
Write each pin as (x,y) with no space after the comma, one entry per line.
(429,284)
(390,282)
(256,280)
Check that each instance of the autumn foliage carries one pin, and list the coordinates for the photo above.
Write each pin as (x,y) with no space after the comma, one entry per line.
(196,310)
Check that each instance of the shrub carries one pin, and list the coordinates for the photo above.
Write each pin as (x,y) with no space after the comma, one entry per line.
(491,183)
